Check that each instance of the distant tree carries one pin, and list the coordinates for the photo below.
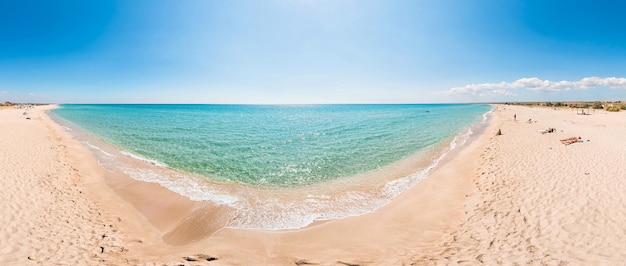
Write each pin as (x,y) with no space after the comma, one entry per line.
(558,104)
(548,104)
(596,105)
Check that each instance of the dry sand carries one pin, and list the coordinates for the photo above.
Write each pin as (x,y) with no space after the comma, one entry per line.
(522,197)
(538,201)
(48,212)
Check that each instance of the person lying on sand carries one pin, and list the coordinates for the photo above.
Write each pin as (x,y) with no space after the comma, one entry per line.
(571,140)
(549,130)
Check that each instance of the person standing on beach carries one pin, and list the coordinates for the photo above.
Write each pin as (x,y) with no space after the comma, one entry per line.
(515,117)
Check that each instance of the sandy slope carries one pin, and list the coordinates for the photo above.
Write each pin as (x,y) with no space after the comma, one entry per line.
(522,197)
(48,212)
(538,201)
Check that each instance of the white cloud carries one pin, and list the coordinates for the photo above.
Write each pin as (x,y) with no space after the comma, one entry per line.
(536,84)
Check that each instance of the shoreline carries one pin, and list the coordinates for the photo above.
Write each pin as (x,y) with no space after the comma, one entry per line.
(522,197)
(148,222)
(380,186)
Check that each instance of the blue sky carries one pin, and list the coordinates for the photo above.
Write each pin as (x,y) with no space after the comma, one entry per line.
(310,51)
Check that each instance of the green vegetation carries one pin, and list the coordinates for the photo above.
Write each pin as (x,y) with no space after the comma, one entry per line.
(597,105)
(557,104)
(606,105)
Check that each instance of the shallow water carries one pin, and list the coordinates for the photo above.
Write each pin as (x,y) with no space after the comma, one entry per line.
(278,167)
(273,145)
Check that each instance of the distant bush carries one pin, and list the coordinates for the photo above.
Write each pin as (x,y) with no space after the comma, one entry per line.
(613,109)
(623,107)
(596,105)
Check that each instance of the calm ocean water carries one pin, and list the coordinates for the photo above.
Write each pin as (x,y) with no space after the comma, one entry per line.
(274,147)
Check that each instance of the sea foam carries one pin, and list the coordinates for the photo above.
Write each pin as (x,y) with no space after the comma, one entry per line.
(150,161)
(264,156)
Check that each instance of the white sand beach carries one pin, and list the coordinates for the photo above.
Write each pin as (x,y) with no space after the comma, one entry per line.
(518,198)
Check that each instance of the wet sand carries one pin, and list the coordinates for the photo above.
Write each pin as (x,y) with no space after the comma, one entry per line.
(522,197)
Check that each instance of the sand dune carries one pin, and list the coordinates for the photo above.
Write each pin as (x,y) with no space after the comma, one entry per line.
(522,197)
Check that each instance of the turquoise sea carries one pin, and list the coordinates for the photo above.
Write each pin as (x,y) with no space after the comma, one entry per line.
(213,152)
